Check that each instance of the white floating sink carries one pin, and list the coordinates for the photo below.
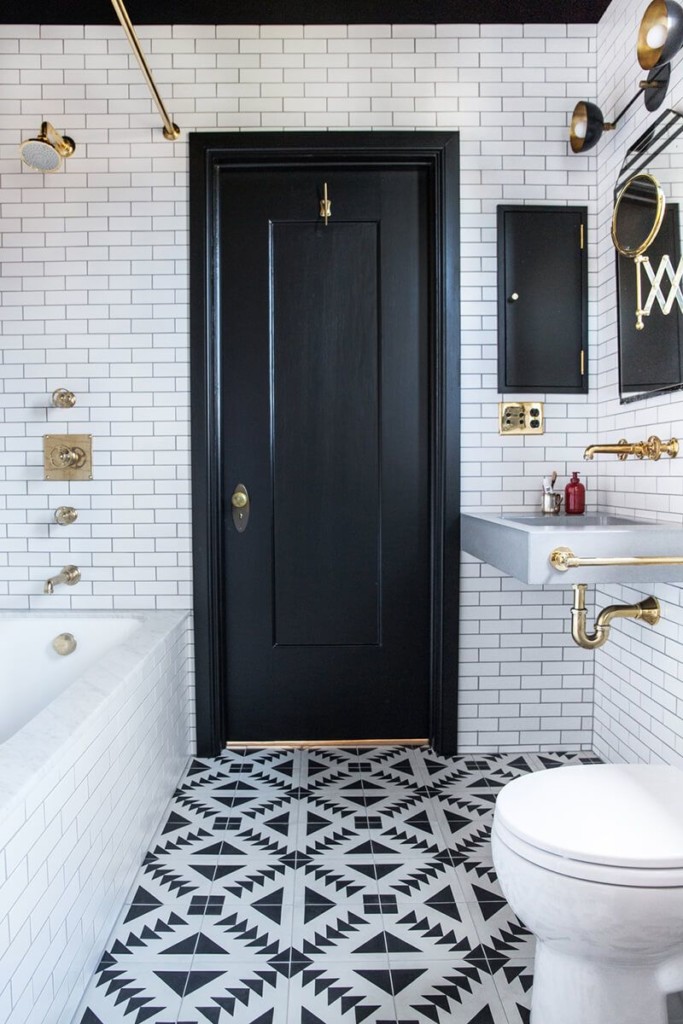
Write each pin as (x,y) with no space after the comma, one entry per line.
(520,545)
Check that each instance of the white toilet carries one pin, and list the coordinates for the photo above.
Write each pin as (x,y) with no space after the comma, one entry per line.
(590,858)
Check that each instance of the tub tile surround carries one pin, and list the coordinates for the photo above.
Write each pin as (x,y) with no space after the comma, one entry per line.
(82,788)
(330,885)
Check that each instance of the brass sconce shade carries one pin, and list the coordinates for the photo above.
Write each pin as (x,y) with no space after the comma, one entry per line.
(660,35)
(587,126)
(46,151)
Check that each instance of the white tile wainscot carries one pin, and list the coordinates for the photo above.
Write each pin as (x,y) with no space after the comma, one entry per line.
(82,788)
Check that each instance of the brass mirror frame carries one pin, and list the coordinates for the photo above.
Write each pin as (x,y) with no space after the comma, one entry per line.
(659,216)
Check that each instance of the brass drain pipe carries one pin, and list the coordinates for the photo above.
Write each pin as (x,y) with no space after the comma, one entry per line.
(647,610)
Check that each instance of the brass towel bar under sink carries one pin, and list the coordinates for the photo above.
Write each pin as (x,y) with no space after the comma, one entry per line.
(564,558)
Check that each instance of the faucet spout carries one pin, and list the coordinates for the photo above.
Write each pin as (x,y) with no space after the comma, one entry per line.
(653,449)
(70,575)
(622,449)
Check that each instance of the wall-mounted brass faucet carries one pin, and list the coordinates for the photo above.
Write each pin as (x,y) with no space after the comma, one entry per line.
(647,610)
(653,449)
(70,575)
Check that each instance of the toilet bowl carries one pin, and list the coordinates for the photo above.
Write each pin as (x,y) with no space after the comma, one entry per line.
(590,858)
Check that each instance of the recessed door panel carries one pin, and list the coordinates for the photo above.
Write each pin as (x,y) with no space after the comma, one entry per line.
(326,416)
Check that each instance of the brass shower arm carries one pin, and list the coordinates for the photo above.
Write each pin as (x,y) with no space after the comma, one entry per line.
(171,130)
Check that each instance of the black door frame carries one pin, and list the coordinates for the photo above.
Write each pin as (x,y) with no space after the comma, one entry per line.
(438,153)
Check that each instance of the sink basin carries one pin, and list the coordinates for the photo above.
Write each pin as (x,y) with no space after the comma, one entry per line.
(575,522)
(520,545)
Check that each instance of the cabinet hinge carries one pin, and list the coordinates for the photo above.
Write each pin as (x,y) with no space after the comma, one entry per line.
(582,362)
(581,236)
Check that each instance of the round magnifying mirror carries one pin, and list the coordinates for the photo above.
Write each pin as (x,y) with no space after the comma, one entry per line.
(638,214)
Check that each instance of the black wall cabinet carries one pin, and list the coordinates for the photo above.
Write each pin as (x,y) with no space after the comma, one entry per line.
(542,299)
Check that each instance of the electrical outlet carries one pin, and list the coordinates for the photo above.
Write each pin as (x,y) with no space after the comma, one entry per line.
(520,418)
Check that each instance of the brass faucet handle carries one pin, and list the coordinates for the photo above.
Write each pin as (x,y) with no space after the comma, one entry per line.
(629,448)
(65,515)
(65,457)
(670,447)
(72,575)
(654,448)
(62,398)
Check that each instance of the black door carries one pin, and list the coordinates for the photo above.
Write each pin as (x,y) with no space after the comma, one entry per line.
(319,375)
(324,347)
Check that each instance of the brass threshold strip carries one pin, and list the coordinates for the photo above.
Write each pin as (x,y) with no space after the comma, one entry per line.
(305,744)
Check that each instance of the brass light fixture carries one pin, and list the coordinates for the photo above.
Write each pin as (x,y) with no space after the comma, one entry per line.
(660,35)
(47,150)
(171,131)
(588,122)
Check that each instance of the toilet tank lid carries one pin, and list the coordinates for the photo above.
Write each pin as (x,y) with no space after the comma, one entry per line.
(619,814)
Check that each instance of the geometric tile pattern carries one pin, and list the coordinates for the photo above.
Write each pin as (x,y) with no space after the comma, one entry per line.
(326,886)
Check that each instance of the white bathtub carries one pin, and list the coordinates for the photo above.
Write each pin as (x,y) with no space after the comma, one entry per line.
(34,674)
(94,743)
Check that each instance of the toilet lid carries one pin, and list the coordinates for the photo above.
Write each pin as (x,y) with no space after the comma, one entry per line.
(618,814)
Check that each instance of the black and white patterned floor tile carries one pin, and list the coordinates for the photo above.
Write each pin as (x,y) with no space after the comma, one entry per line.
(330,886)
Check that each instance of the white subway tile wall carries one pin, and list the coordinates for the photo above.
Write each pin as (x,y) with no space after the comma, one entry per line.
(94,297)
(638,674)
(72,839)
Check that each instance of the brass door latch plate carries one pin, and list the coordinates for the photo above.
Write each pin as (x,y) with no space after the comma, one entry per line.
(67,456)
(520,418)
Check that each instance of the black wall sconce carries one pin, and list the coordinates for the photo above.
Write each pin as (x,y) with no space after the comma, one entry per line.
(660,37)
(588,122)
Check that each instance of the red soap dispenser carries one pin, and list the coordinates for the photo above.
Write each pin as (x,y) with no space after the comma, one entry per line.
(575,497)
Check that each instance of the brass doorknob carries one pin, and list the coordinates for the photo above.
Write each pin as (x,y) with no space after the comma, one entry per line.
(239,499)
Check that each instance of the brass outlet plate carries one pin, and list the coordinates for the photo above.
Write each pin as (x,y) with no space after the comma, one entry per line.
(67,456)
(520,418)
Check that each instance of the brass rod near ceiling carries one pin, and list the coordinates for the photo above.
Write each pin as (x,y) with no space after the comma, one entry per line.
(171,130)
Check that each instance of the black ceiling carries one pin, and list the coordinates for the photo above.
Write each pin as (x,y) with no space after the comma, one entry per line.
(308,12)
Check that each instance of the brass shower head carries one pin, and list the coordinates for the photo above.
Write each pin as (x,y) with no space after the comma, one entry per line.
(46,151)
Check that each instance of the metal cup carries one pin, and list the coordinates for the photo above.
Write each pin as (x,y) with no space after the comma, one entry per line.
(550,503)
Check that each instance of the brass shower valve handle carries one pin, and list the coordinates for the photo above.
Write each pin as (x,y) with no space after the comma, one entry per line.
(65,515)
(67,456)
(64,457)
(62,398)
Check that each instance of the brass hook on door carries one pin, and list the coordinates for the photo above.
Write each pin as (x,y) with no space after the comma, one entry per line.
(325,205)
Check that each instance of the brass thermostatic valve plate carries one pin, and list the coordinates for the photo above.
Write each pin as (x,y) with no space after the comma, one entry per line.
(520,418)
(67,456)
